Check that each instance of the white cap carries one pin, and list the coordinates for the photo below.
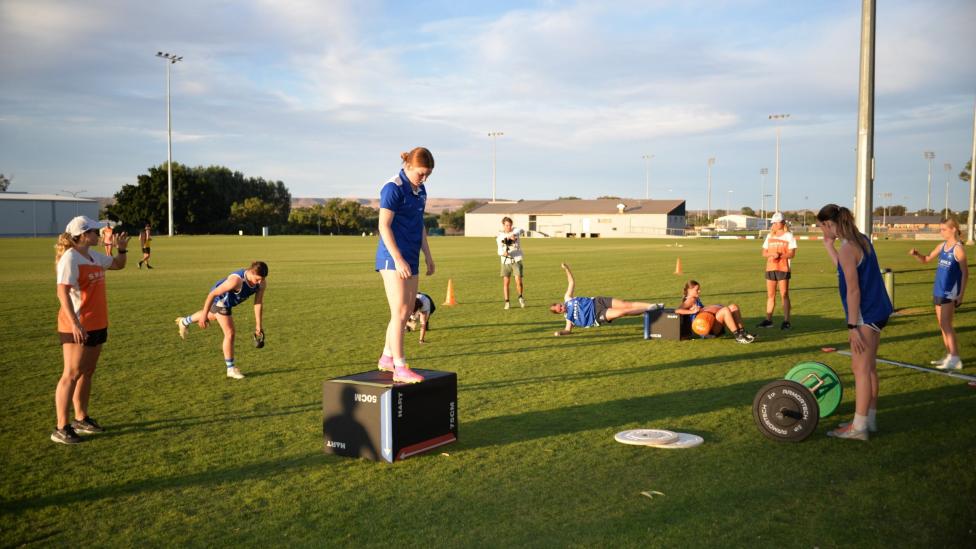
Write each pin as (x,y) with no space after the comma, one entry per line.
(81,224)
(777,218)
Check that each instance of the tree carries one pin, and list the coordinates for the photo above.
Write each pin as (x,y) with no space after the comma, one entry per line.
(455,220)
(5,182)
(746,210)
(964,174)
(607,197)
(569,198)
(252,214)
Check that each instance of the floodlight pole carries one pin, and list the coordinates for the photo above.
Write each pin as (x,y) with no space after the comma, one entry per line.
(171,59)
(493,136)
(929,155)
(647,175)
(970,239)
(762,195)
(776,118)
(711,162)
(948,168)
(864,184)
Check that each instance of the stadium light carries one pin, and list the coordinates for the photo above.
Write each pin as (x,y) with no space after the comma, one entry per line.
(493,136)
(929,155)
(728,208)
(776,118)
(711,162)
(762,195)
(647,175)
(171,59)
(948,168)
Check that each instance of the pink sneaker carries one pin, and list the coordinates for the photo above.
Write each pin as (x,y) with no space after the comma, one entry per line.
(385,364)
(403,374)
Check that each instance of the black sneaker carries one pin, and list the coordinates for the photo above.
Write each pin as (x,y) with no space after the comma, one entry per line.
(88,426)
(785,325)
(66,436)
(148,266)
(765,324)
(742,337)
(140,264)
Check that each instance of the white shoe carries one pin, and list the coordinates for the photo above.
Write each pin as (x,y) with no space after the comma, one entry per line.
(521,302)
(234,373)
(507,305)
(940,361)
(950,363)
(181,327)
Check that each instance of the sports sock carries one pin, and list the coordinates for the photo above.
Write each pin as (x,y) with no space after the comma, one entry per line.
(229,362)
(187,320)
(398,362)
(860,422)
(387,352)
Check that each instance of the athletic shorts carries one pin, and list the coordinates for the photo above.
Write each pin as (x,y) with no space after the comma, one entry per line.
(221,310)
(95,337)
(876,326)
(777,275)
(387,264)
(145,250)
(509,269)
(939,300)
(600,306)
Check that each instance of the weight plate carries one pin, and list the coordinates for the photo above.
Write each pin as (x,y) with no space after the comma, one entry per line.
(646,437)
(829,394)
(685,440)
(786,411)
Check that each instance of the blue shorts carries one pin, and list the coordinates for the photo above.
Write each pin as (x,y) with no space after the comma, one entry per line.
(385,263)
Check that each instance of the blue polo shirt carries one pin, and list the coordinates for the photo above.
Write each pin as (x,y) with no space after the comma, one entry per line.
(581,311)
(407,206)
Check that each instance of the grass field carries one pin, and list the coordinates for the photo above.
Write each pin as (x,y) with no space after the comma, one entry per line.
(193,458)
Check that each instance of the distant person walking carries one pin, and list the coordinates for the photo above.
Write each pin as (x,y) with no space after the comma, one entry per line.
(510,251)
(145,242)
(107,240)
(402,238)
(779,249)
(82,321)
(867,307)
(219,304)
(951,277)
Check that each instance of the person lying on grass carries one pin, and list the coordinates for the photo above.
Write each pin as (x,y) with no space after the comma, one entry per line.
(584,312)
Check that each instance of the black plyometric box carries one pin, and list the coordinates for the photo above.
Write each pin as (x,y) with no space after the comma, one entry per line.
(666,324)
(368,415)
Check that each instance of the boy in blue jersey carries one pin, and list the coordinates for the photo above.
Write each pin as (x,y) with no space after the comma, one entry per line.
(867,308)
(584,312)
(951,277)
(402,238)
(226,294)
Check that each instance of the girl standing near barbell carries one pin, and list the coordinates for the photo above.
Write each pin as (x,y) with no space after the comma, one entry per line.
(867,308)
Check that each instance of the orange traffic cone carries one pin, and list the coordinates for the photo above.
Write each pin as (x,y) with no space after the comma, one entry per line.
(450,301)
(677,267)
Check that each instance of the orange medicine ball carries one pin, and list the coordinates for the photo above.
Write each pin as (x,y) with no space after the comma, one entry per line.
(703,323)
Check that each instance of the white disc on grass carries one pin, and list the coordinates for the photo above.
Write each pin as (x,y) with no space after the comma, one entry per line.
(685,440)
(646,437)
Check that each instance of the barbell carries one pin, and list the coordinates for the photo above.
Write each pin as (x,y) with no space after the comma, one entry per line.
(789,410)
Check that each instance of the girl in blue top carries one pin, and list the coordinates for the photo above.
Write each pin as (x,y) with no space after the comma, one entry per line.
(950,286)
(219,304)
(867,308)
(402,238)
(584,312)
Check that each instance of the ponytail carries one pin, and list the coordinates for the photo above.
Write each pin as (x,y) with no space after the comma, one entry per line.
(689,285)
(954,225)
(418,157)
(846,228)
(65,242)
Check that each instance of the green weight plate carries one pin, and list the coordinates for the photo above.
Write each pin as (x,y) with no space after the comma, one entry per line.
(829,394)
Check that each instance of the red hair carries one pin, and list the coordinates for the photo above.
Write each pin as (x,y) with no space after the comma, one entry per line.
(418,157)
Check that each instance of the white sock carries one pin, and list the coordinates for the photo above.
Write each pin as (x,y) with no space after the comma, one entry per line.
(387,352)
(399,362)
(860,422)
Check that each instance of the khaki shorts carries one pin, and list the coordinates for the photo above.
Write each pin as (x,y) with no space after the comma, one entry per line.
(516,268)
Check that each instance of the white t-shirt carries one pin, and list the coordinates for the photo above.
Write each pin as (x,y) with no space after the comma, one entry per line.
(514,249)
(425,303)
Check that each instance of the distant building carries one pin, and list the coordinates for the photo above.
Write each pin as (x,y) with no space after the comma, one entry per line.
(605,218)
(736,222)
(908,223)
(23,214)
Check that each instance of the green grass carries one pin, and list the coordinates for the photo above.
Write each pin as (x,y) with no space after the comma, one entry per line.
(192,458)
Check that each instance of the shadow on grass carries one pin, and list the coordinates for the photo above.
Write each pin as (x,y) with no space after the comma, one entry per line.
(185,422)
(525,426)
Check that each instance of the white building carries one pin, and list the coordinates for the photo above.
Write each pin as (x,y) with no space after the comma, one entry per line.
(23,214)
(735,222)
(605,218)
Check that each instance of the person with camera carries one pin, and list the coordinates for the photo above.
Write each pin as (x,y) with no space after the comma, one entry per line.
(510,251)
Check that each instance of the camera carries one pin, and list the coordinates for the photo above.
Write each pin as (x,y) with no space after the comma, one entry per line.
(508,241)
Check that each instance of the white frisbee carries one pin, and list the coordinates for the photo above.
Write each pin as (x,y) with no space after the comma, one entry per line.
(647,437)
(685,440)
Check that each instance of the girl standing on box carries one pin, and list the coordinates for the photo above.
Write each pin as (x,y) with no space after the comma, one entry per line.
(402,238)
(950,286)
(867,307)
(82,321)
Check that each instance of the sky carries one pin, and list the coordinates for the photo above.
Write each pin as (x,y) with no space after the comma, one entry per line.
(325,95)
